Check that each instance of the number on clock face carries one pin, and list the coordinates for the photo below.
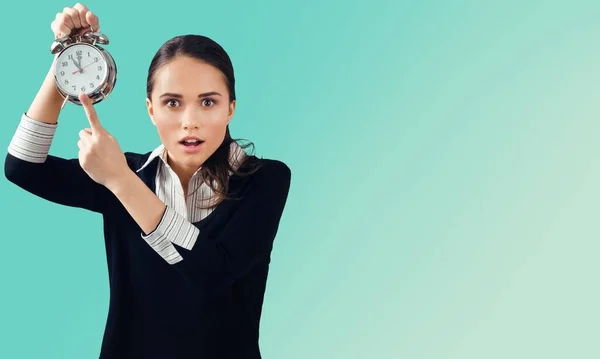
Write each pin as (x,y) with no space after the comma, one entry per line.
(80,68)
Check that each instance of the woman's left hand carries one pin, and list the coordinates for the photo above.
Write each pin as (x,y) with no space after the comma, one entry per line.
(100,155)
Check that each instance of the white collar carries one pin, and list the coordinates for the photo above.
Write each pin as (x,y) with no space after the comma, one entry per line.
(236,156)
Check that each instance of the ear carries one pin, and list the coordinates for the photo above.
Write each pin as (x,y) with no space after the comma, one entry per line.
(150,110)
(231,111)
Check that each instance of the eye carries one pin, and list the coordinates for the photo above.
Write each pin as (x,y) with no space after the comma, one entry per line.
(167,102)
(213,102)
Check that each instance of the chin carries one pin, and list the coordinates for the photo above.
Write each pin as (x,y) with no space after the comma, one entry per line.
(191,159)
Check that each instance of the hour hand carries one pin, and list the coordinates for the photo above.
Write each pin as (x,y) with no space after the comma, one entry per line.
(78,65)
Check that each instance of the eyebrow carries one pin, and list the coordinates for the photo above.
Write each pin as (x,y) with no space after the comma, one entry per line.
(176,95)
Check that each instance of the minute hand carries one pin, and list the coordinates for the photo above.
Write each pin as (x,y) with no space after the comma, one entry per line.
(81,69)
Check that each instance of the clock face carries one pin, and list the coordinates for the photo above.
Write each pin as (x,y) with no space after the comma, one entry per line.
(80,68)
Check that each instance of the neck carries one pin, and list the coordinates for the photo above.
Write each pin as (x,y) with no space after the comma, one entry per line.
(184,173)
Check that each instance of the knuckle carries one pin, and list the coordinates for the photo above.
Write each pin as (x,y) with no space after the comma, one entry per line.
(63,20)
(71,15)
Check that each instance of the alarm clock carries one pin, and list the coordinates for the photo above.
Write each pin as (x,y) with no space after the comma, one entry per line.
(81,65)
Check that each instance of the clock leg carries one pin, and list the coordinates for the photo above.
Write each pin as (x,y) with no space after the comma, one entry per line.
(64,102)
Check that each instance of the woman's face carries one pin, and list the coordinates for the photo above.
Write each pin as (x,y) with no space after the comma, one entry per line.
(190,98)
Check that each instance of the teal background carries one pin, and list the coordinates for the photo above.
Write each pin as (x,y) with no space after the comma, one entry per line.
(444,195)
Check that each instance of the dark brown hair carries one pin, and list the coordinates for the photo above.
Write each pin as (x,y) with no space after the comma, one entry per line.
(217,169)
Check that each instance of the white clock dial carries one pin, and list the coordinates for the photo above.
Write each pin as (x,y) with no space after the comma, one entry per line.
(80,68)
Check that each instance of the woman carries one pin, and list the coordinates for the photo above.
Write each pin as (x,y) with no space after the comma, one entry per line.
(188,227)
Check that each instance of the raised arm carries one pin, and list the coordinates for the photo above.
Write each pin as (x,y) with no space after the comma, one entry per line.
(28,163)
(211,265)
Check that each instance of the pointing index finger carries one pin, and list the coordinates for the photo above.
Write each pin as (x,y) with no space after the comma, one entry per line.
(90,112)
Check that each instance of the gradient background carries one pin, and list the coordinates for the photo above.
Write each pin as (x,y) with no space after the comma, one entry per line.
(444,195)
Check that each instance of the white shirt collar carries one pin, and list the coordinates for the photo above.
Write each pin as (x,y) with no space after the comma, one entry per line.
(159,151)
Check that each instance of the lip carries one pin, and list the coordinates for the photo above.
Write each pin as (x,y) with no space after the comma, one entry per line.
(191,149)
(191,138)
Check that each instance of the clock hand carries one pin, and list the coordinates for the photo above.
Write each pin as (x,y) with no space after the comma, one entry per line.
(76,65)
(81,68)
(91,63)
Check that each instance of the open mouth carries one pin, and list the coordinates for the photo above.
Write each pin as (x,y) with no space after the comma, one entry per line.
(191,143)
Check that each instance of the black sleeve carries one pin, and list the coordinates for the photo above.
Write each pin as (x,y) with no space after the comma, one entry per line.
(58,180)
(215,263)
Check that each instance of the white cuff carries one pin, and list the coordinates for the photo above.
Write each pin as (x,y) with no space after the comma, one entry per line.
(172,229)
(31,142)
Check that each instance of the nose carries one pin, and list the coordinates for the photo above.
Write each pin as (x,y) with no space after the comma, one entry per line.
(191,119)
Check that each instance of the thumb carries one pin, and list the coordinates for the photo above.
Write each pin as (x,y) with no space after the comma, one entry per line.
(90,112)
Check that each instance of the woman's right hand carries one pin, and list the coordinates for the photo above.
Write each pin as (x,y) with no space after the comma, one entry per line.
(74,21)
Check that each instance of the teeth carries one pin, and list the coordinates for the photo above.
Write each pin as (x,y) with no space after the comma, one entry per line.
(191,141)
